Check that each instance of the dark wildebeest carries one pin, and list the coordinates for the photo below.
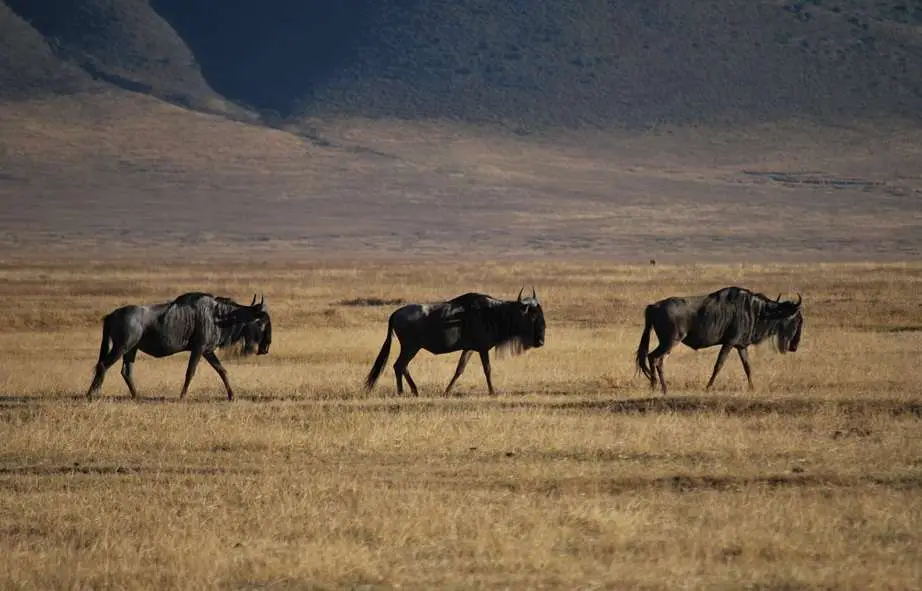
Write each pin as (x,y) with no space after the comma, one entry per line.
(470,322)
(194,322)
(731,317)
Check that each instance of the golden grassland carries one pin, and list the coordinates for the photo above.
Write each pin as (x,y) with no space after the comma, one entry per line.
(575,475)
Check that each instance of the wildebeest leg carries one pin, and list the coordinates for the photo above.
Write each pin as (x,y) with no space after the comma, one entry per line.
(194,356)
(659,372)
(462,363)
(744,358)
(656,358)
(721,357)
(400,368)
(410,382)
(485,361)
(100,372)
(213,360)
(127,362)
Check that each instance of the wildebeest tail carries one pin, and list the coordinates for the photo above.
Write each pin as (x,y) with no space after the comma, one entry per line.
(106,340)
(644,347)
(99,371)
(376,369)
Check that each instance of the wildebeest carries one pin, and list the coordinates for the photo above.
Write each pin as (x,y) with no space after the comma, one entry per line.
(468,323)
(196,322)
(732,317)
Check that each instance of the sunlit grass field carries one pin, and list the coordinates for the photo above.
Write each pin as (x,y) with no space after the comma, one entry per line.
(575,475)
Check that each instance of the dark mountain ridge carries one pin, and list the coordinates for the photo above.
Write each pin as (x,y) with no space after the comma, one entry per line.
(530,62)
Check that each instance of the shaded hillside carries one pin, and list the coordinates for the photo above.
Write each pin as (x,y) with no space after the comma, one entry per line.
(121,42)
(635,61)
(28,66)
(600,62)
(271,54)
(542,62)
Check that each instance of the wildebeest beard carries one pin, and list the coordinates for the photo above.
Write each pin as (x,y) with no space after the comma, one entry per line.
(512,347)
(784,340)
(782,321)
(235,324)
(238,346)
(505,319)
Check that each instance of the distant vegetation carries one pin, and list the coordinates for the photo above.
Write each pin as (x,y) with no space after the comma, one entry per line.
(529,62)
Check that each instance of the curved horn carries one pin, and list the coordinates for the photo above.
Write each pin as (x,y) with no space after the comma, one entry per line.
(253,303)
(800,299)
(778,299)
(520,294)
(534,294)
(262,299)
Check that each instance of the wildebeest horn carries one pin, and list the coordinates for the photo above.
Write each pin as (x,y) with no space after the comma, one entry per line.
(520,293)
(534,294)
(262,300)
(779,298)
(253,303)
(800,299)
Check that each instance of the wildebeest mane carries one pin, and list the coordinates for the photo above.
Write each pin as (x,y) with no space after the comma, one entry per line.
(228,318)
(755,315)
(231,320)
(772,314)
(499,319)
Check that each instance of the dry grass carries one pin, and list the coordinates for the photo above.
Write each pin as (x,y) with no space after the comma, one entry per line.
(575,476)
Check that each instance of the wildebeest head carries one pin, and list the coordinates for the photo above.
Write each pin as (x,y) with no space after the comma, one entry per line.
(790,317)
(530,320)
(257,333)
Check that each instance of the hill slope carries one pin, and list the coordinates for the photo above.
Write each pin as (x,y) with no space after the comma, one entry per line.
(635,62)
(123,43)
(28,66)
(601,62)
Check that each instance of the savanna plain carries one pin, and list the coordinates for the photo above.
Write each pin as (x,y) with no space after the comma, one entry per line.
(574,475)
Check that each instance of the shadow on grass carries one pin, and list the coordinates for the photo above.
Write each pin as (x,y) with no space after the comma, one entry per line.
(120,470)
(641,406)
(676,483)
(683,483)
(627,406)
(741,406)
(12,400)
